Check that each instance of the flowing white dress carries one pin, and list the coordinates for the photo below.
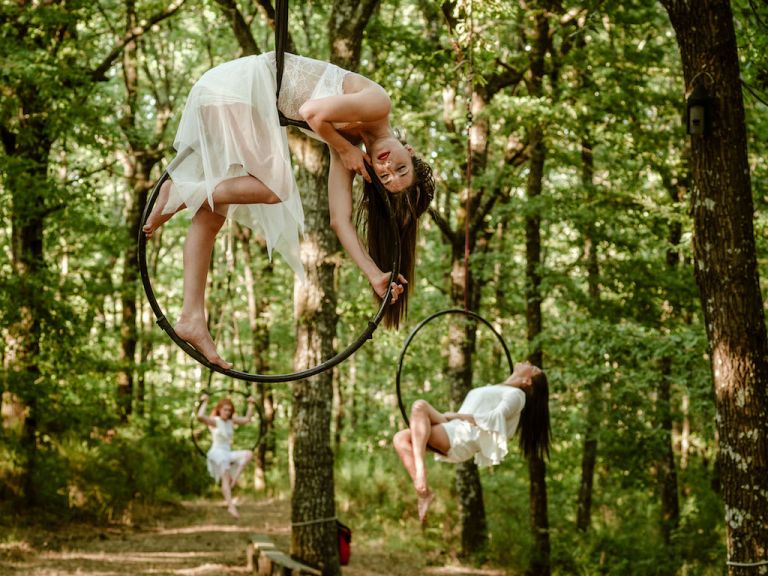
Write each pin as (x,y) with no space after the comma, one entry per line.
(221,457)
(230,128)
(496,409)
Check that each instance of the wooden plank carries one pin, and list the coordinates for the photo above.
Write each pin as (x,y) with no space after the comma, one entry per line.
(265,559)
(286,566)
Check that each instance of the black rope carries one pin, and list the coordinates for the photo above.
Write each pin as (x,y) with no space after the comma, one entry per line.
(281,41)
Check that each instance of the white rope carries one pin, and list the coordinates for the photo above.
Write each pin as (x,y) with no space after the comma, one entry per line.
(320,521)
(747,564)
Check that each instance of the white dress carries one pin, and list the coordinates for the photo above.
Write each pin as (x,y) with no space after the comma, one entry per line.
(221,457)
(496,409)
(230,128)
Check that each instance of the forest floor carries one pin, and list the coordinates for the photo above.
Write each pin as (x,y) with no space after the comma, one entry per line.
(196,538)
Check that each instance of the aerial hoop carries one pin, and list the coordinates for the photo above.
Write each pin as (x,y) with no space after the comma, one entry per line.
(163,322)
(223,392)
(426,321)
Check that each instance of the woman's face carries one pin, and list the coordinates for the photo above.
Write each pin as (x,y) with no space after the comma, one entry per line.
(392,163)
(522,375)
(225,412)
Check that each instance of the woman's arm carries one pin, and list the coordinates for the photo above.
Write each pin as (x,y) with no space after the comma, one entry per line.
(369,104)
(202,410)
(456,416)
(248,414)
(340,206)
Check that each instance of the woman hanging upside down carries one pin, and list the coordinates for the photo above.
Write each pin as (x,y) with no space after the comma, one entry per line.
(233,162)
(487,418)
(224,464)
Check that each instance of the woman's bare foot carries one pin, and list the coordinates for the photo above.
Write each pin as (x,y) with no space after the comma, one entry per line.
(425,499)
(233,511)
(156,217)
(198,336)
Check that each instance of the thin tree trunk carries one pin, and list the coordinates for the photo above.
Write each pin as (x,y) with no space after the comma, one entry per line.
(593,402)
(27,187)
(540,558)
(727,277)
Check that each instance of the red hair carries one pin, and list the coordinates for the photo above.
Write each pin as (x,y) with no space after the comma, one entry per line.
(220,404)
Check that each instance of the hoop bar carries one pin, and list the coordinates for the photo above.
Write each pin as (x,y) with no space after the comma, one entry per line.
(419,326)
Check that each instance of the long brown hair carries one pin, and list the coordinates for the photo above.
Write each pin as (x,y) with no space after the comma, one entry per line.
(407,207)
(535,431)
(220,404)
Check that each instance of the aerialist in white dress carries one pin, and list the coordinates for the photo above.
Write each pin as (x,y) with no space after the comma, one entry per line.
(233,162)
(487,418)
(224,464)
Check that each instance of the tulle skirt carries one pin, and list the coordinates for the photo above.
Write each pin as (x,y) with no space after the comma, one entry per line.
(220,459)
(230,128)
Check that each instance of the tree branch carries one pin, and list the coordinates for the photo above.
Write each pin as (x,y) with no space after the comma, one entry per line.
(99,73)
(240,27)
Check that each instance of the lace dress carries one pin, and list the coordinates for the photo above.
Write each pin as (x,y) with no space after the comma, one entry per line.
(221,457)
(230,128)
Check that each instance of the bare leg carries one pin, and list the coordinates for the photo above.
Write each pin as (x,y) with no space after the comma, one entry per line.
(226,490)
(192,325)
(198,247)
(243,190)
(238,190)
(156,218)
(240,468)
(425,427)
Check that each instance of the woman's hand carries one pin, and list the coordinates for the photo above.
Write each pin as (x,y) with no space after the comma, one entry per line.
(354,159)
(203,397)
(381,283)
(251,400)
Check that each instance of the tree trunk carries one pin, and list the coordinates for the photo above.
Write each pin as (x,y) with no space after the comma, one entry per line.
(593,402)
(27,185)
(139,161)
(727,277)
(313,506)
(258,305)
(540,558)
(668,485)
(314,534)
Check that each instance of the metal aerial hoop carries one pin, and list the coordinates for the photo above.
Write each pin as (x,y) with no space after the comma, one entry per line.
(281,31)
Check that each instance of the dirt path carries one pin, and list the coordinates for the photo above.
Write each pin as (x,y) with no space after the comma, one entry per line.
(197,539)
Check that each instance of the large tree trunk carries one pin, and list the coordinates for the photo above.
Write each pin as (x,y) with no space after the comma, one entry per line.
(314,536)
(727,276)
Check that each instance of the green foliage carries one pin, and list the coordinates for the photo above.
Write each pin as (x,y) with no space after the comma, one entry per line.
(617,89)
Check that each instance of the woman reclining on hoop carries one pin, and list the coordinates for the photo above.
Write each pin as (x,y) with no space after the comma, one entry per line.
(487,418)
